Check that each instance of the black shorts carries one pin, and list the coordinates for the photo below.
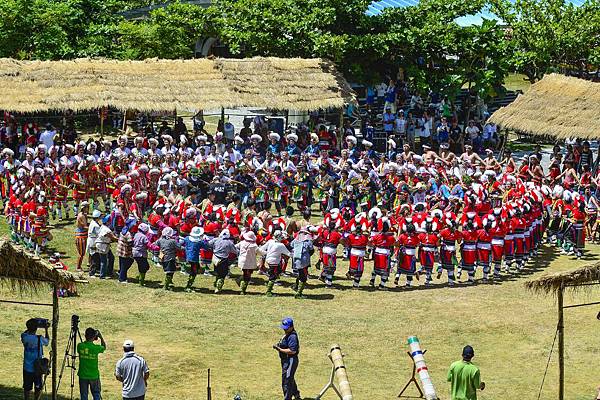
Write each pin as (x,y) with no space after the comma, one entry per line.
(30,380)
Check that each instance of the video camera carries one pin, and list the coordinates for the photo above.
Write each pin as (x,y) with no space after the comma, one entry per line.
(39,323)
(74,321)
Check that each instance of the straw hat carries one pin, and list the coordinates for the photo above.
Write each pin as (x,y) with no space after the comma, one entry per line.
(274,136)
(256,137)
(292,137)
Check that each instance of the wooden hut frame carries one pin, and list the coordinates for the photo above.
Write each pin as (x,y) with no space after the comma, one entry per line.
(556,285)
(23,272)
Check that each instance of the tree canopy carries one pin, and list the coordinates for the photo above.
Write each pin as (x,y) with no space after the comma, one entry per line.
(531,36)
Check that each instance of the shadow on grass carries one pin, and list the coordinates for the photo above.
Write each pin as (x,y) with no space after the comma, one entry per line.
(16,393)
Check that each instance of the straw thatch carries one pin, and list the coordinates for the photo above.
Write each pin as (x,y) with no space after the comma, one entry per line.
(23,271)
(558,106)
(550,284)
(166,85)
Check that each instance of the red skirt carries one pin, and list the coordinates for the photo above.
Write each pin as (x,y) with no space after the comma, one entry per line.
(408,264)
(357,261)
(427,259)
(469,257)
(497,252)
(381,261)
(484,255)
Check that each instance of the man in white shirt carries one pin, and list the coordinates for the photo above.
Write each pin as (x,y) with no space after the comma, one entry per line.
(93,230)
(133,372)
(47,136)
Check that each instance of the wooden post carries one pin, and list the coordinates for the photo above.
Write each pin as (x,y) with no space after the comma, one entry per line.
(124,119)
(561,346)
(287,116)
(223,119)
(55,316)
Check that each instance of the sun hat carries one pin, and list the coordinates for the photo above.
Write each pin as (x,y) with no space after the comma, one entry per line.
(196,234)
(249,236)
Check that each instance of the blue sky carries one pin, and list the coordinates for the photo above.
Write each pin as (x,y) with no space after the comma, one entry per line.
(377,6)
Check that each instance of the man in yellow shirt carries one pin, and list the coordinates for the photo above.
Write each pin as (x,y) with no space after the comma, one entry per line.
(464,377)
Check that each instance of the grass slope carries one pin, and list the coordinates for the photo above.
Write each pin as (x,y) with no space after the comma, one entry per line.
(181,335)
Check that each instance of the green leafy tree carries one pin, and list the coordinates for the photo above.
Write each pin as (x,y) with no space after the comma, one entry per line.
(550,34)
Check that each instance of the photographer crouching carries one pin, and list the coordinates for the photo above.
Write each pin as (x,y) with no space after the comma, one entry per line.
(35,366)
(89,374)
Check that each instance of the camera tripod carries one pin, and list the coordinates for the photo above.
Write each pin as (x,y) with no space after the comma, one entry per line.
(71,353)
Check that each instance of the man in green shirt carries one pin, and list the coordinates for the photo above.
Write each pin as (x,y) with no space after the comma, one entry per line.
(89,374)
(464,377)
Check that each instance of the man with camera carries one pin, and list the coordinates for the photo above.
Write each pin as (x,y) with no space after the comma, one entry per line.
(89,374)
(288,349)
(34,363)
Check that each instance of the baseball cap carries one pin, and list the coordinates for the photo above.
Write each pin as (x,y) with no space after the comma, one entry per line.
(287,323)
(468,352)
(128,343)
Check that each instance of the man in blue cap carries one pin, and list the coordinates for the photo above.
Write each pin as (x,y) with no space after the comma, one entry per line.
(288,349)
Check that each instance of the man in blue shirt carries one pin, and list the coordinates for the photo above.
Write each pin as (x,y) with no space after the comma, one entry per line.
(389,119)
(288,349)
(33,349)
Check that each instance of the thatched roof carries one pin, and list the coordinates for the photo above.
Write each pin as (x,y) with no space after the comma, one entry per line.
(558,106)
(569,279)
(22,270)
(166,85)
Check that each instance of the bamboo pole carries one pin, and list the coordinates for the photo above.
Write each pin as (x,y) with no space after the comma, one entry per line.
(337,358)
(561,346)
(55,317)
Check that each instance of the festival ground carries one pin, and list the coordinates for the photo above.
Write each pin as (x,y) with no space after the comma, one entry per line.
(182,334)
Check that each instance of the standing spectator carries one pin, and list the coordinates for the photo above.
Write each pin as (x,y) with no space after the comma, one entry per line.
(400,128)
(47,136)
(107,259)
(443,131)
(92,236)
(288,349)
(33,349)
(371,93)
(426,125)
(456,141)
(464,377)
(381,88)
(133,372)
(411,126)
(388,121)
(490,135)
(472,133)
(390,96)
(89,374)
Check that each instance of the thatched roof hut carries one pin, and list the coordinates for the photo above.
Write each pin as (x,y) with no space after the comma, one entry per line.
(166,85)
(557,106)
(574,279)
(25,272)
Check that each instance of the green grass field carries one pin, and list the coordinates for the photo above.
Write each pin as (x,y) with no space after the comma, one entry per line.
(182,334)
